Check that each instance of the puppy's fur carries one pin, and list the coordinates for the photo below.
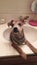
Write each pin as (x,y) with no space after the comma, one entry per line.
(17,35)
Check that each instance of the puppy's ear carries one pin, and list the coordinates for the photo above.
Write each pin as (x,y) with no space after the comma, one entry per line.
(10,23)
(26,17)
(23,19)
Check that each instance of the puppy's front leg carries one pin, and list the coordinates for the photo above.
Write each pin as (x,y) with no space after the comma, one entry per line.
(22,54)
(31,47)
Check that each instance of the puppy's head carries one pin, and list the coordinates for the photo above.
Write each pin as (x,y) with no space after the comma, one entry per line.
(17,25)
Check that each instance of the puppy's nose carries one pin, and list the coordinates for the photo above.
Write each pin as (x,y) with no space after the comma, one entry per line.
(15,29)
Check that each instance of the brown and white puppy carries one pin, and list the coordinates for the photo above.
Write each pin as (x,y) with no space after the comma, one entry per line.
(17,35)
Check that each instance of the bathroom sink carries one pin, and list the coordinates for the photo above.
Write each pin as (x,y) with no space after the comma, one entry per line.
(29,32)
(5,45)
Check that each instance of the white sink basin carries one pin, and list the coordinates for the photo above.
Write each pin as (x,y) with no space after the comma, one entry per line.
(6,33)
(30,33)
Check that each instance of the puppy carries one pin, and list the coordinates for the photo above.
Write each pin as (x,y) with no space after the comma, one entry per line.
(17,35)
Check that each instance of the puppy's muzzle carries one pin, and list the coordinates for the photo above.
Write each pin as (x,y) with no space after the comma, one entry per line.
(15,30)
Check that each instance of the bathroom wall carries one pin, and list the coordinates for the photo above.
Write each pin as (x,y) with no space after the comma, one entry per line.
(10,9)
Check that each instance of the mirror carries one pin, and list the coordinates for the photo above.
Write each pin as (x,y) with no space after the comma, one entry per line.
(33,22)
(34,6)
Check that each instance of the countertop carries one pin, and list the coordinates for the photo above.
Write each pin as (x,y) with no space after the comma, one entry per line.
(5,46)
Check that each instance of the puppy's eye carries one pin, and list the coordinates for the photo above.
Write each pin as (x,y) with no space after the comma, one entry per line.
(19,24)
(12,25)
